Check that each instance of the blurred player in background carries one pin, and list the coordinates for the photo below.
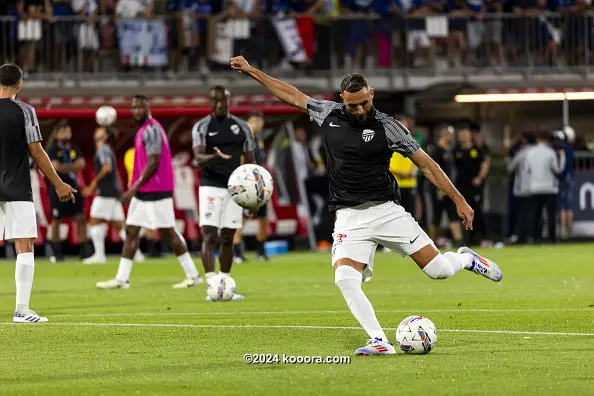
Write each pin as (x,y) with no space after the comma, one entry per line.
(442,155)
(359,142)
(220,141)
(106,207)
(20,137)
(471,170)
(149,235)
(68,161)
(566,184)
(151,198)
(405,173)
(256,122)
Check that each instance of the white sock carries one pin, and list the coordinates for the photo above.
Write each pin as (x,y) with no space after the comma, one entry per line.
(209,275)
(225,274)
(185,260)
(446,265)
(122,234)
(98,233)
(124,270)
(349,282)
(23,276)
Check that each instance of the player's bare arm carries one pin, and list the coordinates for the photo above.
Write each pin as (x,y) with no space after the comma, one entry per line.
(149,171)
(483,171)
(285,92)
(106,169)
(248,158)
(436,175)
(202,158)
(64,191)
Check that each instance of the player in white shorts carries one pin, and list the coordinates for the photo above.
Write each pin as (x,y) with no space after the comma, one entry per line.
(359,142)
(20,137)
(106,207)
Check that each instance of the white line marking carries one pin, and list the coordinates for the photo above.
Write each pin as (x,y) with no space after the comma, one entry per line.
(329,312)
(286,327)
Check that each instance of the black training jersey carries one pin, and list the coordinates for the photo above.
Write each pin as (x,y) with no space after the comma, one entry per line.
(108,186)
(358,157)
(18,128)
(468,165)
(65,153)
(232,136)
(443,158)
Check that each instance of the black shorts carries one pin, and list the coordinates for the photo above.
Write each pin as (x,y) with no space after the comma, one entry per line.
(262,212)
(439,205)
(59,210)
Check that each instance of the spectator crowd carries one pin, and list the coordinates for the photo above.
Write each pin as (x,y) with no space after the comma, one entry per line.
(196,35)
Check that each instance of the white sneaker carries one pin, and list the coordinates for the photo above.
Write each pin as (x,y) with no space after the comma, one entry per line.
(237,260)
(236,297)
(377,346)
(94,259)
(138,256)
(482,266)
(29,317)
(113,284)
(189,282)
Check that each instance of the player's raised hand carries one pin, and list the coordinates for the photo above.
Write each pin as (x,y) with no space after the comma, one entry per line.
(221,154)
(239,64)
(466,213)
(65,192)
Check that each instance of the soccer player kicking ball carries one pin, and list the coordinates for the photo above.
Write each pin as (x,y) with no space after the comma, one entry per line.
(151,198)
(19,137)
(359,141)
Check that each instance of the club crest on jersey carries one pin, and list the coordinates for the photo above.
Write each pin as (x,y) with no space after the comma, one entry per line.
(367,135)
(235,129)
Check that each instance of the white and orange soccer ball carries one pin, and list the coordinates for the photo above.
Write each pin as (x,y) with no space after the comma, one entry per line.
(106,116)
(416,335)
(250,186)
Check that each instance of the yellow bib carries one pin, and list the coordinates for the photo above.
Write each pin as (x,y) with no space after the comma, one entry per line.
(129,164)
(403,165)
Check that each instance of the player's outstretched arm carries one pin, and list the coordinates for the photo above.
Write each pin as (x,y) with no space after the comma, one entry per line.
(285,92)
(437,176)
(63,190)
(106,169)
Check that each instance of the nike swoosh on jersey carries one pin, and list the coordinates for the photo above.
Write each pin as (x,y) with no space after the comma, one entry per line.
(413,241)
(334,125)
(212,133)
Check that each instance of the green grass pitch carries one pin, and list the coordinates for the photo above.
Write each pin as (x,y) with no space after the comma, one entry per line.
(531,334)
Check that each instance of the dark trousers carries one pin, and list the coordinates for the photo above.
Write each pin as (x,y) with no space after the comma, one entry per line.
(474,197)
(549,203)
(407,200)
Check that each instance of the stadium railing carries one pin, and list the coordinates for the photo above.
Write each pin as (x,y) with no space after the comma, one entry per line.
(179,47)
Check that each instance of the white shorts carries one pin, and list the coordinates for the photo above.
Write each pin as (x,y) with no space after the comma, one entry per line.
(357,231)
(109,209)
(417,39)
(217,209)
(153,215)
(17,220)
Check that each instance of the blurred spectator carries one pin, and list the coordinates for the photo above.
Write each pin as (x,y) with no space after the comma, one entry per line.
(187,27)
(457,11)
(545,36)
(300,150)
(134,8)
(30,13)
(577,31)
(8,31)
(580,143)
(359,30)
(494,32)
(60,33)
(475,29)
(418,43)
(87,33)
(471,170)
(566,183)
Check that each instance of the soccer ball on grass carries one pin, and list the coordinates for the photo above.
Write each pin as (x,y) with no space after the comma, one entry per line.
(250,186)
(416,335)
(106,116)
(221,288)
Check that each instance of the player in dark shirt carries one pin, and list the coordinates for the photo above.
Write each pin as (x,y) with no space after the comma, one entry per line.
(68,161)
(20,137)
(256,122)
(359,141)
(471,170)
(106,207)
(220,140)
(442,155)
